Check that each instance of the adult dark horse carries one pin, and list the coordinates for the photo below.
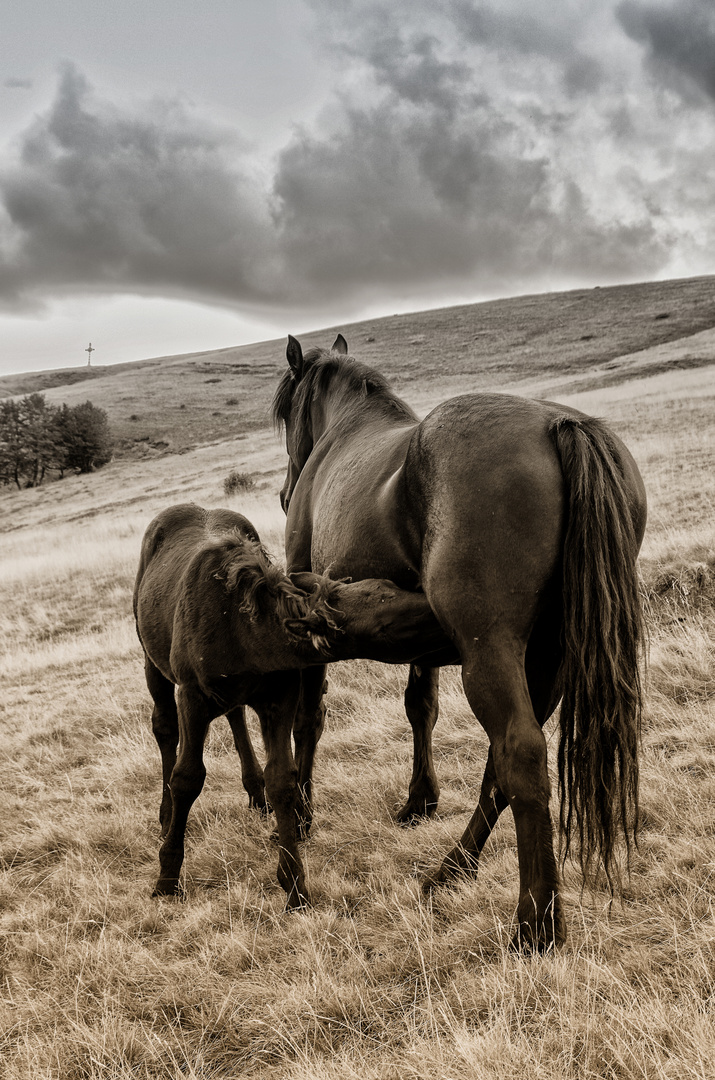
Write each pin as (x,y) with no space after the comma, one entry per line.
(521,520)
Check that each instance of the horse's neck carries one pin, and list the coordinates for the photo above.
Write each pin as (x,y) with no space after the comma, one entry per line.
(345,411)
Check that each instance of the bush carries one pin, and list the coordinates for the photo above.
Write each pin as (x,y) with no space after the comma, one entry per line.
(36,438)
(237,481)
(84,431)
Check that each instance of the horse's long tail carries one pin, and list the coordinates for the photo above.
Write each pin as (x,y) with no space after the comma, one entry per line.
(602,632)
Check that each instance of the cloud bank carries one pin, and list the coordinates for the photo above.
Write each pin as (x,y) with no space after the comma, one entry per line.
(472,149)
(679,38)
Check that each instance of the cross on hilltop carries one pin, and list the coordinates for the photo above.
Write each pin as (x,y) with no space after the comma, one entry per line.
(89,350)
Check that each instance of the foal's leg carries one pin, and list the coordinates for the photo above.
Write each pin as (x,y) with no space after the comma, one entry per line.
(251,771)
(165,725)
(276,705)
(187,779)
(422,707)
(496,687)
(307,729)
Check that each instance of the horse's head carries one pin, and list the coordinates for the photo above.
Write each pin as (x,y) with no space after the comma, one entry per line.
(294,409)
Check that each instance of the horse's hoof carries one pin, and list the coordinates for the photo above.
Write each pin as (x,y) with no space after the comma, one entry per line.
(460,864)
(540,939)
(433,881)
(301,902)
(410,815)
(166,887)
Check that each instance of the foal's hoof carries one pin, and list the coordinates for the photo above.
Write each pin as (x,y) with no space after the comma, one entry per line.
(166,887)
(259,805)
(527,942)
(432,881)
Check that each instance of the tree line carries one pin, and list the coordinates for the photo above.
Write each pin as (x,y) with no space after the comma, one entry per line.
(37,439)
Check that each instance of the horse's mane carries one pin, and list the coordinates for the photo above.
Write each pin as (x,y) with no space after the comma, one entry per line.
(324,370)
(246,568)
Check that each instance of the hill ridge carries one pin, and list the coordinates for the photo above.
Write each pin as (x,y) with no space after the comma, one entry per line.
(545,340)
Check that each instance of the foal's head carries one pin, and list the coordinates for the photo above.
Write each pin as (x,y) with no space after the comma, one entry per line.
(264,594)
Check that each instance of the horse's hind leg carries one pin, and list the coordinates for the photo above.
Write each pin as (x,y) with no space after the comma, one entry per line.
(542,663)
(422,708)
(187,779)
(251,771)
(165,725)
(464,858)
(496,687)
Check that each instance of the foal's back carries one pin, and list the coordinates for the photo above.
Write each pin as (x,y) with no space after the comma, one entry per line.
(170,542)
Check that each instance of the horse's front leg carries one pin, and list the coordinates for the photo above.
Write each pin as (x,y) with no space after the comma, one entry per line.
(276,704)
(307,729)
(251,771)
(187,779)
(422,708)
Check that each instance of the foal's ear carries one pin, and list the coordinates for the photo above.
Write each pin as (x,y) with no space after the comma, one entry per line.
(294,356)
(302,630)
(340,345)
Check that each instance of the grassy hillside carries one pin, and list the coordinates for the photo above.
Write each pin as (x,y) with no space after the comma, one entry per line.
(170,403)
(99,982)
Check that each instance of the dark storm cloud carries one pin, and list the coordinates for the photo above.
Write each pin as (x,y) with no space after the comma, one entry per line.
(526,34)
(399,200)
(152,201)
(679,38)
(469,148)
(439,179)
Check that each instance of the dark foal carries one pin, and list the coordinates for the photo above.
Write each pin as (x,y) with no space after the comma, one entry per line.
(521,520)
(222,627)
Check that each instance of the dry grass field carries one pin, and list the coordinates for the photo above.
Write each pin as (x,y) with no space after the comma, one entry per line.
(100,982)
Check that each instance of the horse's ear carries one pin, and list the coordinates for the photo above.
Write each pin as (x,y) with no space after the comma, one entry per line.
(294,356)
(340,345)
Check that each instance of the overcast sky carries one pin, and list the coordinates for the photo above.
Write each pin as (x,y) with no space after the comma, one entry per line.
(177,176)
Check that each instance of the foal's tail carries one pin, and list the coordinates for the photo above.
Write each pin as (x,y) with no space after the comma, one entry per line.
(602,631)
